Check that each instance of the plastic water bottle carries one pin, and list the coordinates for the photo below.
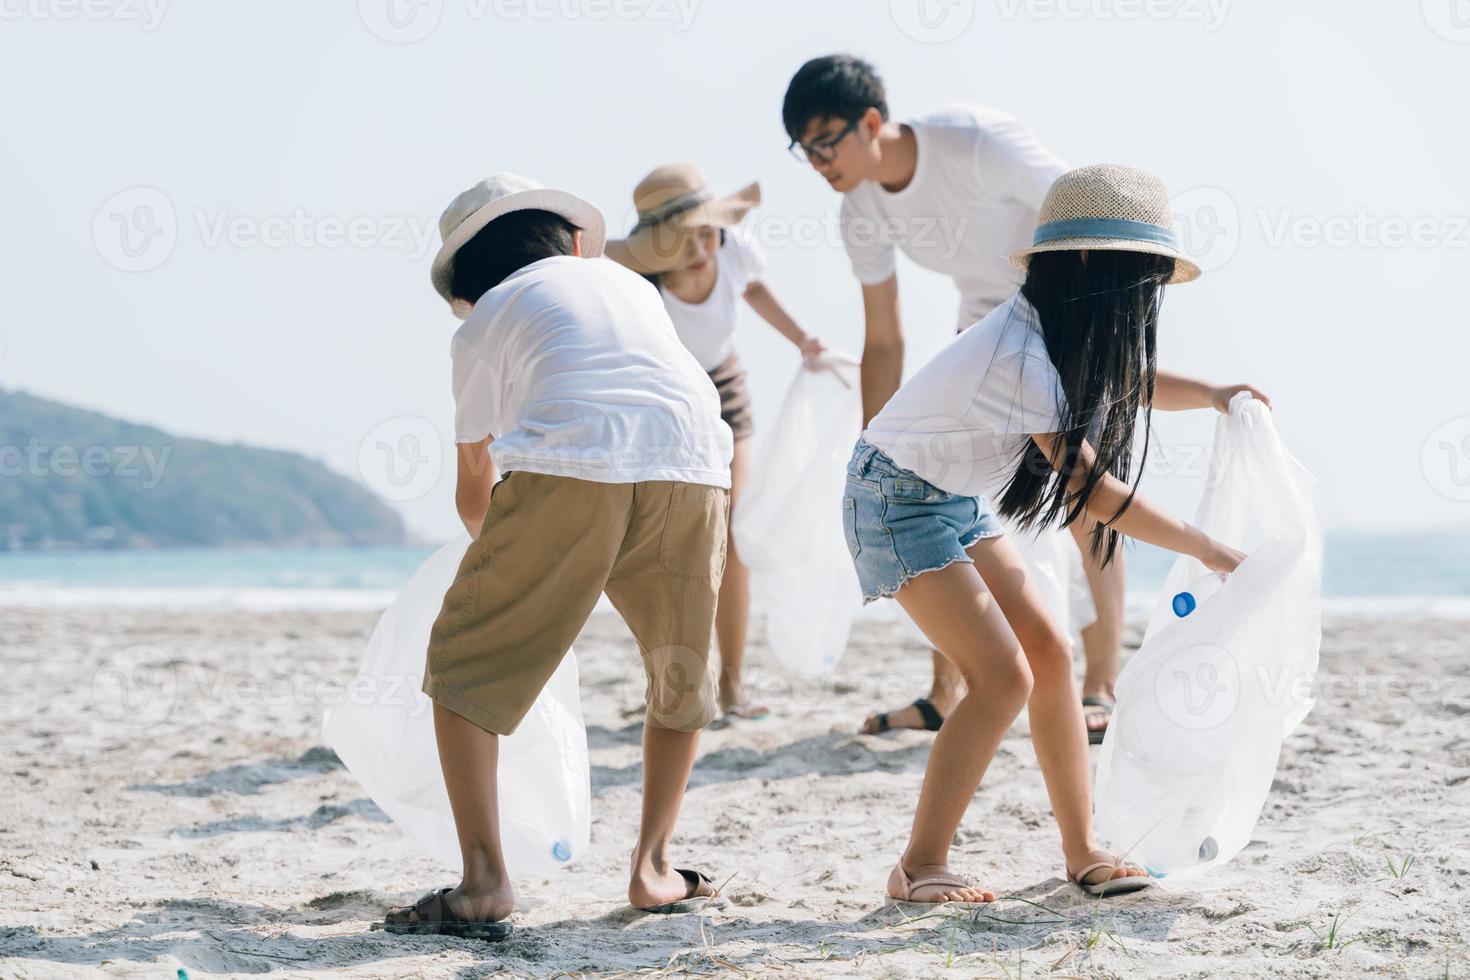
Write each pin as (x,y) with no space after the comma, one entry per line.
(1199,590)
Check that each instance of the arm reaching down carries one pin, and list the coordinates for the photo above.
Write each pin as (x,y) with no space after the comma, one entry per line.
(764,302)
(1176,393)
(1142,520)
(472,486)
(882,368)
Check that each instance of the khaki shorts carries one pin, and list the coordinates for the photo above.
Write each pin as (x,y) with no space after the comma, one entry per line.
(549,547)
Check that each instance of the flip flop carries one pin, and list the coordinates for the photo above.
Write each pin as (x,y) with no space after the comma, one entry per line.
(909,887)
(932,718)
(1095,735)
(1109,886)
(690,902)
(436,918)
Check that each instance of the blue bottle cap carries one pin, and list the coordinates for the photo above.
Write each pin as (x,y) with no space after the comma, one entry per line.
(1184,604)
(561,850)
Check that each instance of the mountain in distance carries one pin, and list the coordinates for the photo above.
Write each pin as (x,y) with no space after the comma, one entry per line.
(72,478)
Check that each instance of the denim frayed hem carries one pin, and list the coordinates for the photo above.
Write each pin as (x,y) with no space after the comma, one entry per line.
(890,593)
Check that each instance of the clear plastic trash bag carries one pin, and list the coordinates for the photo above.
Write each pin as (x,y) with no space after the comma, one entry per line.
(788,526)
(1205,703)
(384,733)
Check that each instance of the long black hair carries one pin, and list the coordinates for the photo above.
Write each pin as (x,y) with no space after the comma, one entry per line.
(1099,315)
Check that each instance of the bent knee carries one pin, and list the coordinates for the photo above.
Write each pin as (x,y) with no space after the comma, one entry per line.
(1009,678)
(1050,656)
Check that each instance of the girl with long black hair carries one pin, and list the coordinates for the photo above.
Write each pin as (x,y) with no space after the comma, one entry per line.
(1037,407)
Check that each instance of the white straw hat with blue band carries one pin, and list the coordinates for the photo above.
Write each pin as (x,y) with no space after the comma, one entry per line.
(1111,207)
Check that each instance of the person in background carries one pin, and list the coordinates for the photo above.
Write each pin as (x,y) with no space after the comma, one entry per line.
(689,244)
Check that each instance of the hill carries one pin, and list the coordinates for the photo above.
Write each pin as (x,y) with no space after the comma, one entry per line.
(71,478)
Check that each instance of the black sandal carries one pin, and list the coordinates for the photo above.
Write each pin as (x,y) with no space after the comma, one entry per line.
(436,918)
(932,718)
(691,902)
(1095,735)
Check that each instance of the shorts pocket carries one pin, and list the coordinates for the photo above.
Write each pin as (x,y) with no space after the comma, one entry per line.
(914,490)
(849,526)
(695,532)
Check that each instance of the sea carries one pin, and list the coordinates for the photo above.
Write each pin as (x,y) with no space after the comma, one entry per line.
(1379,575)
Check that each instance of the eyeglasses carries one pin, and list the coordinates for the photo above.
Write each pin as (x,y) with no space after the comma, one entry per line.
(824,151)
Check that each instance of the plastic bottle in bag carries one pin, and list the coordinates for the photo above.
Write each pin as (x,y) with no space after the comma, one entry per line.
(1205,703)
(384,733)
(1198,591)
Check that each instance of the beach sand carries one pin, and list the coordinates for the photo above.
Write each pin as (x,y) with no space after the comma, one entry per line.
(165,801)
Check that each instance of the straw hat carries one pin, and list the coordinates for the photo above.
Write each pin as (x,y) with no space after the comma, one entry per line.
(500,194)
(672,202)
(1108,206)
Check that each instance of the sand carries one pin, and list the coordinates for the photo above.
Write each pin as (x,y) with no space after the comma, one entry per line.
(198,823)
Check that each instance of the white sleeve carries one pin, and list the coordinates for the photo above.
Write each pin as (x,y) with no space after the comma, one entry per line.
(750,258)
(1020,394)
(872,257)
(475,394)
(1039,400)
(1010,158)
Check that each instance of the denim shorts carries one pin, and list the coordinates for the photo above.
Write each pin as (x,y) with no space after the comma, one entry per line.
(899,525)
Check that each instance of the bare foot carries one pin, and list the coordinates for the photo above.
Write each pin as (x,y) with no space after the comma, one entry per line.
(906,885)
(735,704)
(909,716)
(490,903)
(650,887)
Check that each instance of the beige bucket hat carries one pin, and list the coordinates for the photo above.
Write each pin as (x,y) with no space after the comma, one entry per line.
(672,202)
(497,195)
(1108,206)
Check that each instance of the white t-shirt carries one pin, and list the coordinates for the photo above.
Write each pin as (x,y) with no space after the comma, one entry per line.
(708,328)
(962,421)
(977,187)
(573,366)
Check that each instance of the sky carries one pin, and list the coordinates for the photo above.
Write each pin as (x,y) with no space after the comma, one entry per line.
(219,218)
